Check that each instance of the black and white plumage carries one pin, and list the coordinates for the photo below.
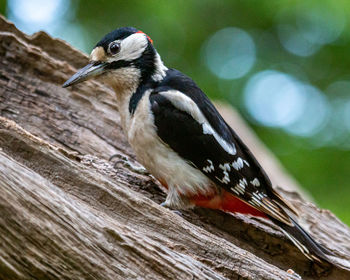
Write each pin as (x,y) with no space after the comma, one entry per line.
(179,136)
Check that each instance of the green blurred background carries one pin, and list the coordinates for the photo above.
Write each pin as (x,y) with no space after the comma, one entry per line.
(285,65)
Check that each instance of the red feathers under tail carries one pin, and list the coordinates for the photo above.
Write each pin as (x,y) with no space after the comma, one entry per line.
(300,238)
(226,202)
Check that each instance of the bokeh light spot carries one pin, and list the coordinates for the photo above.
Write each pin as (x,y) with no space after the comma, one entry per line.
(294,42)
(51,16)
(34,15)
(337,130)
(315,113)
(320,24)
(278,100)
(313,26)
(230,53)
(273,98)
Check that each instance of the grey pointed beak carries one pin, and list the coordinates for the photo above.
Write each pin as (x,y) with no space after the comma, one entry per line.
(91,70)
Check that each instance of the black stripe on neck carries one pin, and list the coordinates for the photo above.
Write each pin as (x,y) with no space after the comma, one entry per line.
(137,95)
(146,63)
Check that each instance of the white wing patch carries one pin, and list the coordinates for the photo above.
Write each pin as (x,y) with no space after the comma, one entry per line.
(207,129)
(186,104)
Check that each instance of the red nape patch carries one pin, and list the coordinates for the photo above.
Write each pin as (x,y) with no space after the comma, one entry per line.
(226,202)
(148,37)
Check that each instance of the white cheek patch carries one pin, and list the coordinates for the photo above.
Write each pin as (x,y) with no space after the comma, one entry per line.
(131,47)
(186,104)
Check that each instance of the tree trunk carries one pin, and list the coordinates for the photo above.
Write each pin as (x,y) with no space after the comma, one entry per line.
(66,212)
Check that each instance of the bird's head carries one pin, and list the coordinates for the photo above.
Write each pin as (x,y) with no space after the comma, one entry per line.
(123,58)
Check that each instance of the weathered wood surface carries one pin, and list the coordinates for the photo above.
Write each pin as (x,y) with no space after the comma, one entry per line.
(66,212)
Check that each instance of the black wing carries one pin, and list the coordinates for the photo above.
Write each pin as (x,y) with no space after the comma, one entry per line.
(239,172)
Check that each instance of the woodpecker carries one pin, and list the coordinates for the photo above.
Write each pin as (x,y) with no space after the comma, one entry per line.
(181,139)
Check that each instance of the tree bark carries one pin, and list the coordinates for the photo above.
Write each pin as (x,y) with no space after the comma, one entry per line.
(67,212)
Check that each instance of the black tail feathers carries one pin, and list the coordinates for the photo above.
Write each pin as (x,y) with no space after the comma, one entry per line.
(305,243)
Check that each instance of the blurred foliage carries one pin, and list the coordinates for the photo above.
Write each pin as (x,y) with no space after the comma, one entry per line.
(2,7)
(180,30)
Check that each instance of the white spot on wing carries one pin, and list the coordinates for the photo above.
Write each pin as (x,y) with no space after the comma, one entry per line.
(255,182)
(235,191)
(241,185)
(209,168)
(237,164)
(243,182)
(256,201)
(259,195)
(252,202)
(256,198)
(186,104)
(225,167)
(240,188)
(225,179)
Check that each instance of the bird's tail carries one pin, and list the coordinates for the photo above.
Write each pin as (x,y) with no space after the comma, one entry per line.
(304,242)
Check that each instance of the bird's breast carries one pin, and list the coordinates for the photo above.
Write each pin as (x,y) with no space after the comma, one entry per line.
(158,157)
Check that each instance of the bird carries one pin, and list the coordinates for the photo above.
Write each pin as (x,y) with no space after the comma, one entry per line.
(178,135)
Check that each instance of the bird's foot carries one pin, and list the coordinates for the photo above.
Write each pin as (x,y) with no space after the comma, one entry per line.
(292,272)
(123,160)
(166,205)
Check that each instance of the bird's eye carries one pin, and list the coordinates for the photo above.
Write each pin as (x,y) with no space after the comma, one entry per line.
(114,48)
